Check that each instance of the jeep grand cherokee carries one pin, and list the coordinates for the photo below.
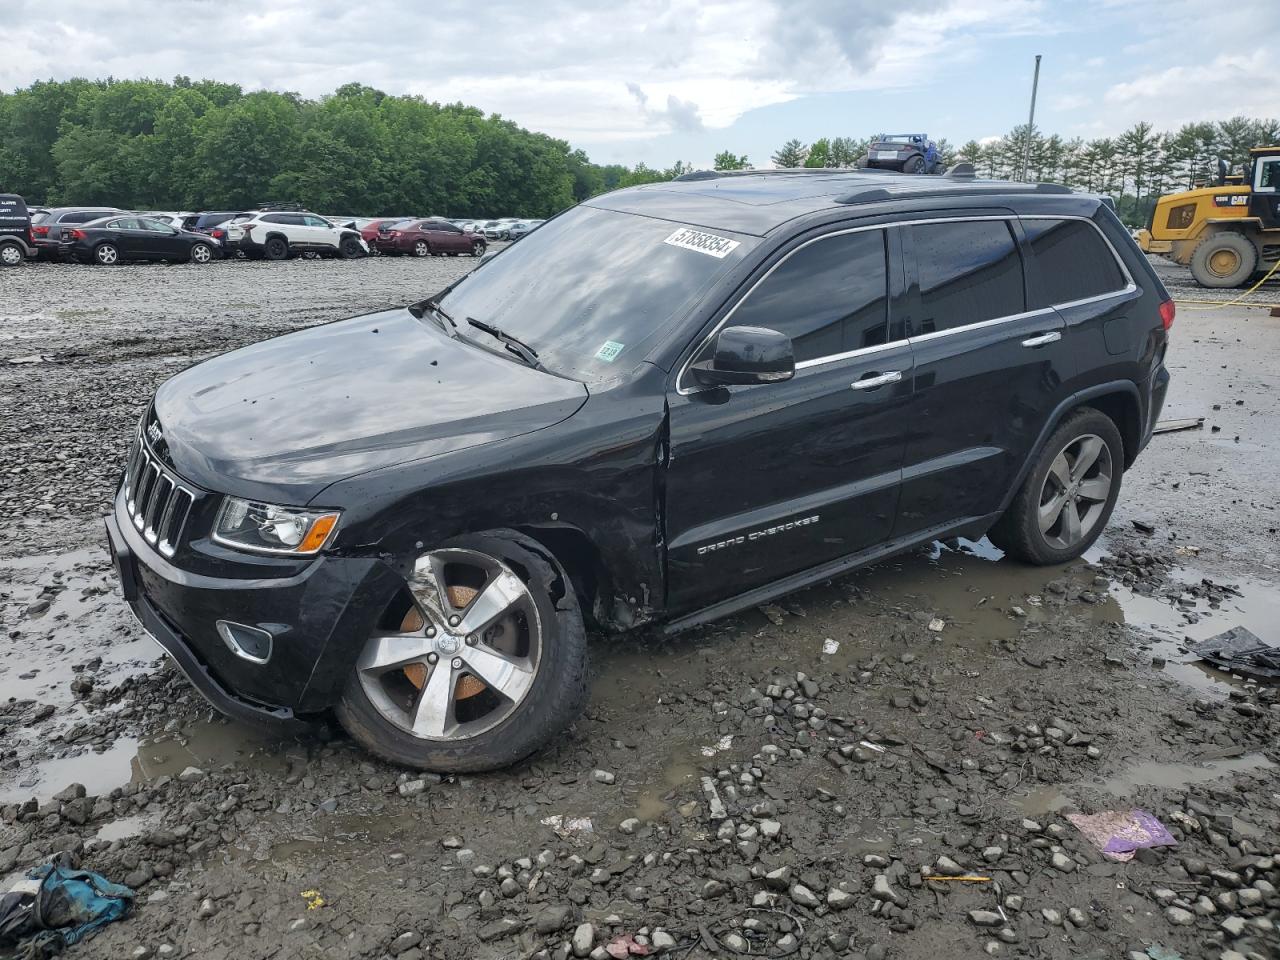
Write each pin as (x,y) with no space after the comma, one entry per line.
(668,404)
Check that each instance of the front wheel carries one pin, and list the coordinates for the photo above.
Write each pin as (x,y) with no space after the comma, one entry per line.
(1063,505)
(350,248)
(1223,260)
(201,253)
(477,248)
(479,663)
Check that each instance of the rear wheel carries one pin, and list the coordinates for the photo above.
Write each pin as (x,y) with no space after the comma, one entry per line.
(1063,505)
(106,254)
(421,249)
(479,664)
(915,165)
(201,253)
(276,248)
(11,255)
(477,248)
(1225,259)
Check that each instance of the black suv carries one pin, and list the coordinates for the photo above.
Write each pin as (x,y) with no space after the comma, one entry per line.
(665,405)
(15,231)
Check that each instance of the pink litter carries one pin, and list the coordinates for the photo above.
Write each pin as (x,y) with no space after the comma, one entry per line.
(625,946)
(1119,834)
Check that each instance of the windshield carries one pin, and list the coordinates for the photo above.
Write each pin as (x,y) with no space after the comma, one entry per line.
(591,290)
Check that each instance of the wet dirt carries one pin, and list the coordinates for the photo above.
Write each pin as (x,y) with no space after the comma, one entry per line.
(854,732)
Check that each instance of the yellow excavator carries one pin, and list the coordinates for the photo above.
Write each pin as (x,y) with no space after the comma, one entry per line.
(1227,232)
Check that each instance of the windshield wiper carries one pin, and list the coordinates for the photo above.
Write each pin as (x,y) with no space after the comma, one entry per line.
(435,308)
(514,344)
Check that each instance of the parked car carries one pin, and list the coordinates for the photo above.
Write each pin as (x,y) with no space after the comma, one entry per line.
(423,238)
(519,229)
(669,404)
(47,226)
(211,222)
(275,235)
(498,229)
(15,231)
(369,232)
(113,240)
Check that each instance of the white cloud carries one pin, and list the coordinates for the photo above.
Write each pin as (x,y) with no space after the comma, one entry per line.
(1228,85)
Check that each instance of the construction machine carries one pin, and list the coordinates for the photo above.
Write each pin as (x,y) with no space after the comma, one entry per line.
(1227,232)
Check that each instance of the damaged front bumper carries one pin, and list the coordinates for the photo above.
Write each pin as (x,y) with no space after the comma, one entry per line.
(316,618)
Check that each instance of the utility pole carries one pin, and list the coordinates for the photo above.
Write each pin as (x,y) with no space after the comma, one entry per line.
(1031,121)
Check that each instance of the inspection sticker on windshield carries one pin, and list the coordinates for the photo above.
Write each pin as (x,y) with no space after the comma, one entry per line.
(609,352)
(708,243)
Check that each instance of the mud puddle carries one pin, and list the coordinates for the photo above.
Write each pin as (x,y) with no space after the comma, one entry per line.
(131,760)
(1147,773)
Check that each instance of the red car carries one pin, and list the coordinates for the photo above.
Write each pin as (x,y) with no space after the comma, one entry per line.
(428,238)
(369,232)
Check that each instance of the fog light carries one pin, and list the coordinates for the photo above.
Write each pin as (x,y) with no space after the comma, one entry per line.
(248,643)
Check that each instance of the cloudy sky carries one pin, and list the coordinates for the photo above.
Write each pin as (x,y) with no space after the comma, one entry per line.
(665,80)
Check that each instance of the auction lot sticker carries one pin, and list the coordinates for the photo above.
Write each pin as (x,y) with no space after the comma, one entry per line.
(708,243)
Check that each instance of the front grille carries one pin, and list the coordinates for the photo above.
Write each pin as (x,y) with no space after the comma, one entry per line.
(157,501)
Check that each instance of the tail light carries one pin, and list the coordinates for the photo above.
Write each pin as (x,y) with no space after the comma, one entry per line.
(39,231)
(217,233)
(1167,312)
(77,234)
(246,227)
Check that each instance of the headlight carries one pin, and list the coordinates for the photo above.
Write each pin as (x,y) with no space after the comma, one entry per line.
(265,528)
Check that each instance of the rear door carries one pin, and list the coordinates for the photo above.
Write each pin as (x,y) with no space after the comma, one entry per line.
(989,370)
(770,479)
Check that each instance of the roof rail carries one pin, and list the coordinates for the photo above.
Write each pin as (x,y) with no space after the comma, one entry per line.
(869,195)
(774,172)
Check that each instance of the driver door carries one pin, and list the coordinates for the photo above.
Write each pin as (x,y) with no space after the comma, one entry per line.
(770,479)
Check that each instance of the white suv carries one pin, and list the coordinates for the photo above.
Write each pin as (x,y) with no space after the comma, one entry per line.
(277,234)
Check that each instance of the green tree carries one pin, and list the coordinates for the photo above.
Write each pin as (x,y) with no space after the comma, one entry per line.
(819,154)
(792,154)
(728,160)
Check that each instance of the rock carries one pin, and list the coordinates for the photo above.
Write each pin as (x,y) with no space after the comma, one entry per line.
(881,890)
(411,788)
(1077,917)
(207,909)
(803,896)
(1051,917)
(603,776)
(985,918)
(1249,897)
(141,953)
(1179,917)
(629,826)
(584,938)
(661,941)
(838,899)
(191,775)
(770,829)
(1234,926)
(503,927)
(948,867)
(1062,862)
(406,940)
(734,942)
(552,918)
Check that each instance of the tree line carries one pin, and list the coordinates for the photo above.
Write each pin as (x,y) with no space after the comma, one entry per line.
(207,145)
(1135,167)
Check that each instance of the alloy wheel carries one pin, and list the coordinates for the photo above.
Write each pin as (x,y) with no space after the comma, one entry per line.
(201,254)
(420,249)
(477,249)
(464,655)
(1075,493)
(107,254)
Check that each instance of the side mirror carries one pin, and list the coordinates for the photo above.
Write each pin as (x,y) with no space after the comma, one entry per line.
(745,355)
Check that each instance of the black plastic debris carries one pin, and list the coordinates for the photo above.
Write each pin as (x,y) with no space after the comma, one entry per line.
(1240,650)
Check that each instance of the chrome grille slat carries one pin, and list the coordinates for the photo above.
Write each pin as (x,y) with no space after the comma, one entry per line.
(157,502)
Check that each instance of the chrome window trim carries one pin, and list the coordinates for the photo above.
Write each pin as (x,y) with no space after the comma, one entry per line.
(683,390)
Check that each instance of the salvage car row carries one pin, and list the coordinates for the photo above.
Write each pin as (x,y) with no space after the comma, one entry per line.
(107,236)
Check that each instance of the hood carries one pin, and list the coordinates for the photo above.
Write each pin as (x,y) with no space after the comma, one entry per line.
(283,419)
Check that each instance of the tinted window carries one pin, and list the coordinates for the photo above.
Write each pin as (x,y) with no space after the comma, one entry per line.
(154,226)
(123,223)
(274,218)
(1074,261)
(829,296)
(970,271)
(593,289)
(81,216)
(311,220)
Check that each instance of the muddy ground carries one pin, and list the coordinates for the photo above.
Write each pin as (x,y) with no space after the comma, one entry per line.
(778,784)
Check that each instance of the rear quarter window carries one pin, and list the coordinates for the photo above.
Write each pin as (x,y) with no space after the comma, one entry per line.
(1073,261)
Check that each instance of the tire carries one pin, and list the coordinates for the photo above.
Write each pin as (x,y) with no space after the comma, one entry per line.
(201,253)
(421,249)
(1055,481)
(276,248)
(1226,259)
(11,255)
(915,165)
(478,248)
(106,254)
(349,248)
(389,692)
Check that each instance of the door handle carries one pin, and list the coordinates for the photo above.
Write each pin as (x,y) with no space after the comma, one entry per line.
(880,380)
(1053,336)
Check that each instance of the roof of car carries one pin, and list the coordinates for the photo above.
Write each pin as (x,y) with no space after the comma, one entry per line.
(758,201)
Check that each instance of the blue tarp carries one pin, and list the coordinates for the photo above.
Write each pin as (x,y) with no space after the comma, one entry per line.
(59,906)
